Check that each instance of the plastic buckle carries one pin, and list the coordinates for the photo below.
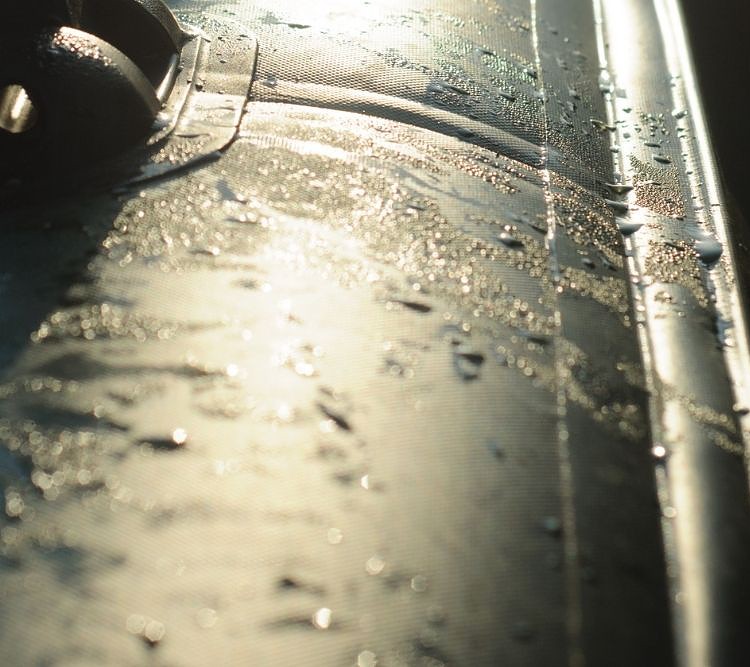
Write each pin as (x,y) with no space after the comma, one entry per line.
(82,78)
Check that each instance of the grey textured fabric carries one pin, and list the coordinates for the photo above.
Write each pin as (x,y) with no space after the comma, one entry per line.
(431,356)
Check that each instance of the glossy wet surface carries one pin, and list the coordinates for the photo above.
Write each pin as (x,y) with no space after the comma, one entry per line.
(368,389)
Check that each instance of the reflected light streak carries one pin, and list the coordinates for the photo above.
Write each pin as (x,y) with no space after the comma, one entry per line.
(621,31)
(682,504)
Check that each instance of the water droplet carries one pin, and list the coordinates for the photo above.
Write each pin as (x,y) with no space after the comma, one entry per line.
(495,448)
(679,113)
(271,81)
(14,505)
(287,583)
(467,361)
(457,90)
(442,87)
(149,630)
(552,525)
(419,583)
(179,436)
(135,624)
(618,188)
(601,125)
(508,240)
(663,159)
(617,206)
(659,451)
(177,439)
(304,369)
(322,618)
(375,565)
(627,227)
(709,250)
(414,305)
(336,417)
(285,412)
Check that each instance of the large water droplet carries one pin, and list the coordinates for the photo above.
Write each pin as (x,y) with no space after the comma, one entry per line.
(179,436)
(627,227)
(602,125)
(618,188)
(150,631)
(617,206)
(322,618)
(496,449)
(375,565)
(509,240)
(467,361)
(709,250)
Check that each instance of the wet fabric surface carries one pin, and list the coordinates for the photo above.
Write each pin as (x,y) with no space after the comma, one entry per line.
(375,383)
